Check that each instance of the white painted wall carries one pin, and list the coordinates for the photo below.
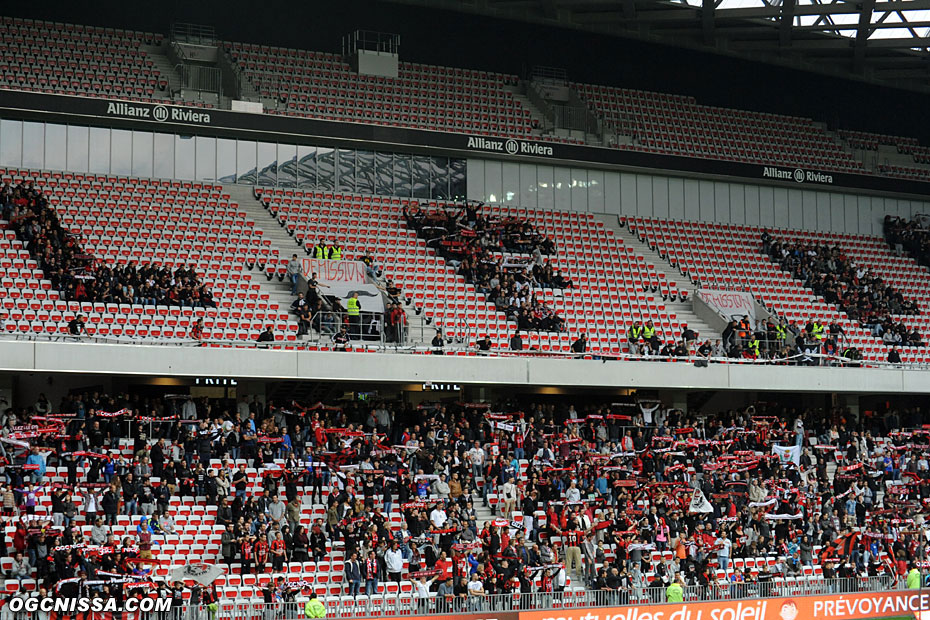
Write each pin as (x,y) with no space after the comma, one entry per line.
(539,186)
(87,359)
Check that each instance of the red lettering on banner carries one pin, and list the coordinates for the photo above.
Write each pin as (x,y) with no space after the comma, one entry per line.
(730,302)
(351,271)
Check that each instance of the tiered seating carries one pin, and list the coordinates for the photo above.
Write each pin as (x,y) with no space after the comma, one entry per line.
(609,277)
(320,85)
(728,257)
(913,173)
(871,141)
(676,124)
(123,219)
(53,57)
(909,146)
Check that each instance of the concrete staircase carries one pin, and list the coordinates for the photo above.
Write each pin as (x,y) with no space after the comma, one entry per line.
(682,309)
(156,54)
(535,113)
(284,245)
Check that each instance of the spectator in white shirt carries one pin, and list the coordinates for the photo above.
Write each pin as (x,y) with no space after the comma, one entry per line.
(438,517)
(572,494)
(421,588)
(475,591)
(476,456)
(394,562)
(509,495)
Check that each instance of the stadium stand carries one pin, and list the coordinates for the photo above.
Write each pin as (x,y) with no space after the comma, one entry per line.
(613,284)
(322,85)
(105,62)
(728,257)
(676,124)
(536,500)
(182,224)
(871,141)
(52,57)
(602,497)
(909,235)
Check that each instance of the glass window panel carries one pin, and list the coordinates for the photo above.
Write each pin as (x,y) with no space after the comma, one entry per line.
(121,151)
(164,156)
(420,176)
(287,165)
(439,177)
(402,175)
(365,172)
(579,190)
(11,143)
(306,166)
(142,153)
(206,159)
(245,162)
(457,179)
(225,160)
(56,146)
(528,185)
(33,145)
(99,150)
(184,150)
(510,178)
(384,174)
(346,179)
(77,148)
(267,163)
(325,168)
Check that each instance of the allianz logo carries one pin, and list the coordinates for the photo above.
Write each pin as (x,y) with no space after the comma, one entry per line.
(160,113)
(510,146)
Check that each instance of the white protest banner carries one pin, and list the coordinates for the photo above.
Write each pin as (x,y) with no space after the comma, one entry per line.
(729,304)
(331,271)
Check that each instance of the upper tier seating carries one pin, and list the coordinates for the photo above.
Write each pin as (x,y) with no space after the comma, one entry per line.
(871,141)
(123,219)
(677,124)
(52,57)
(727,256)
(905,146)
(320,85)
(609,277)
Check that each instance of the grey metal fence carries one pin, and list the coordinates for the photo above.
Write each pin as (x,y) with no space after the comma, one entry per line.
(401,599)
(196,77)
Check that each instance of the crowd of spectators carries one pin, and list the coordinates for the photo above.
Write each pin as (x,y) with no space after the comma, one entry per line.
(912,236)
(853,288)
(475,244)
(617,496)
(80,276)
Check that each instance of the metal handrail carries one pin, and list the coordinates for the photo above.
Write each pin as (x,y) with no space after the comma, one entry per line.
(370,41)
(419,349)
(400,599)
(196,34)
(199,78)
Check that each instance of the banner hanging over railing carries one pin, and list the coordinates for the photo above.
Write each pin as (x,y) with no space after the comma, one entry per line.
(342,278)
(729,304)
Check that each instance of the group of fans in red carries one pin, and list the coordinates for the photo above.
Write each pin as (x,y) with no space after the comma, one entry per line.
(625,497)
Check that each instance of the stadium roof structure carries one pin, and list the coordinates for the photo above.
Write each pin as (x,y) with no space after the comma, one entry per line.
(883,42)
